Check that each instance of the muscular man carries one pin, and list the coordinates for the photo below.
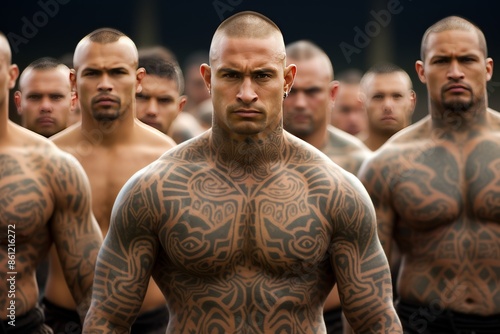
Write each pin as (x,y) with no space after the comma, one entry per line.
(245,228)
(45,102)
(387,94)
(306,114)
(44,200)
(111,144)
(435,186)
(160,100)
(44,99)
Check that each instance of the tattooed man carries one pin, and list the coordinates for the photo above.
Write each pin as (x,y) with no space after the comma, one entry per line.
(306,114)
(245,228)
(111,144)
(436,190)
(44,200)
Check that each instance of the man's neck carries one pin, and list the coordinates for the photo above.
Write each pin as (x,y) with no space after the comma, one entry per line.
(247,157)
(374,140)
(318,138)
(459,120)
(105,133)
(4,120)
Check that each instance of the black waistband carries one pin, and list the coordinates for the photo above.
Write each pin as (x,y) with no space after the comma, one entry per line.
(29,322)
(436,319)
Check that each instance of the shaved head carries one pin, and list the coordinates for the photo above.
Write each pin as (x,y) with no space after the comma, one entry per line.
(5,51)
(305,50)
(247,24)
(104,36)
(453,23)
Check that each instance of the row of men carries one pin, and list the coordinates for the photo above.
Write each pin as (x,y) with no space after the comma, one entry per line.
(167,91)
(246,228)
(46,104)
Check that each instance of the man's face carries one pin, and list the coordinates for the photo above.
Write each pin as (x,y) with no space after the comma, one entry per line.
(107,79)
(389,102)
(348,113)
(307,108)
(159,102)
(455,70)
(45,100)
(248,78)
(195,87)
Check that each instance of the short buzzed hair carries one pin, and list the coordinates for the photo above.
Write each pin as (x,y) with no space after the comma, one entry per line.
(453,23)
(105,35)
(246,24)
(305,50)
(42,64)
(385,68)
(157,61)
(45,63)
(6,50)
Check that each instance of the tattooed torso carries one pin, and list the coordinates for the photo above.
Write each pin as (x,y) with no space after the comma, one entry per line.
(445,193)
(243,247)
(246,254)
(26,207)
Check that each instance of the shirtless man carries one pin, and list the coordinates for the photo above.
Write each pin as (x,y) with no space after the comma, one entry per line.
(44,200)
(111,144)
(387,94)
(435,186)
(306,114)
(348,113)
(245,228)
(160,100)
(44,99)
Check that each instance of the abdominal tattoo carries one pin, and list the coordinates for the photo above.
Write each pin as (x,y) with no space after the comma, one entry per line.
(449,203)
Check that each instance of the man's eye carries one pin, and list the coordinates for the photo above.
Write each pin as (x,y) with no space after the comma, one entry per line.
(230,75)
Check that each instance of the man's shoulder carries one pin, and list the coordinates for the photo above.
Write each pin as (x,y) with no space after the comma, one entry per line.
(31,142)
(44,156)
(400,148)
(152,136)
(341,138)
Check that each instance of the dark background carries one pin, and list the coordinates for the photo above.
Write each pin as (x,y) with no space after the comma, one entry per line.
(392,29)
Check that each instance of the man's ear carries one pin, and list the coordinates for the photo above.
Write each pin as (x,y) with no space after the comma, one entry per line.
(13,74)
(139,74)
(17,101)
(182,102)
(333,89)
(206,73)
(289,74)
(419,67)
(72,80)
(489,69)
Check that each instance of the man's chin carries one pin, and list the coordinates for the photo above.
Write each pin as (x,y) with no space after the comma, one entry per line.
(106,116)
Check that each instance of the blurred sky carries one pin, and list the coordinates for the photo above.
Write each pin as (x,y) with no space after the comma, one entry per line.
(392,29)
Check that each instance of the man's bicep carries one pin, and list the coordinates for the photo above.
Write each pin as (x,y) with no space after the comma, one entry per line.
(75,232)
(361,267)
(127,257)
